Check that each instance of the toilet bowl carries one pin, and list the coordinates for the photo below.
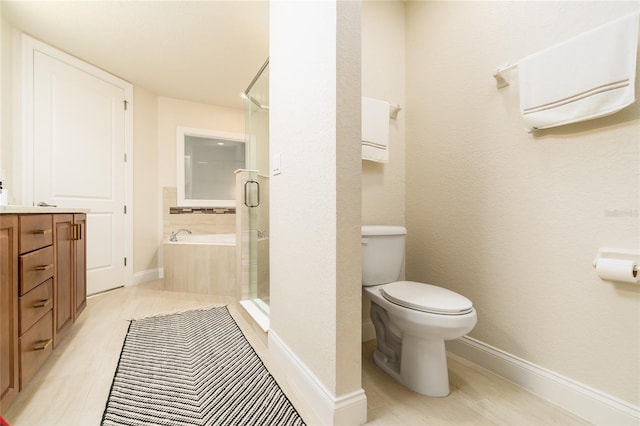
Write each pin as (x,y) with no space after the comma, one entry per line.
(412,320)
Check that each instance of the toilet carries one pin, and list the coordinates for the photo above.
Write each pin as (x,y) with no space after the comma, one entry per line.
(412,320)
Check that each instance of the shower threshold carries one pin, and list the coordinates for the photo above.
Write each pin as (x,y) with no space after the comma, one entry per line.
(259,311)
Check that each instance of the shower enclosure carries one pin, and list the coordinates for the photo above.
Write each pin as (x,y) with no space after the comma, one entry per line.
(252,210)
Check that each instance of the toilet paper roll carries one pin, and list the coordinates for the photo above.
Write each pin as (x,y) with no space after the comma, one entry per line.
(617,270)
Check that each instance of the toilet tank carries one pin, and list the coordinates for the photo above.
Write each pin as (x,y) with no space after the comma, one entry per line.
(382,254)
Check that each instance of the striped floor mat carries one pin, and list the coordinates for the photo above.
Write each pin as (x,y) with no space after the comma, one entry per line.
(194,368)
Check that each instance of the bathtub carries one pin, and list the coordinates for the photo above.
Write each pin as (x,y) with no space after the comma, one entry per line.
(204,264)
(212,239)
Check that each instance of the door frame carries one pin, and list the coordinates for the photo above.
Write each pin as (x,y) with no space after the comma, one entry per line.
(29,46)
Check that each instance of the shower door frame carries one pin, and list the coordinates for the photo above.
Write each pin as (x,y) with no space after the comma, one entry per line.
(252,212)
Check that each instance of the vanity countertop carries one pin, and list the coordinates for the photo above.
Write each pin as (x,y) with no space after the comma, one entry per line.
(34,209)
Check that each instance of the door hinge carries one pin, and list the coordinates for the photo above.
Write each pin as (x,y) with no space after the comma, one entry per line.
(125,157)
(126,104)
(125,261)
(125,209)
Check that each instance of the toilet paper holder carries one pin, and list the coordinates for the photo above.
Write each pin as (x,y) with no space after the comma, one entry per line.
(622,254)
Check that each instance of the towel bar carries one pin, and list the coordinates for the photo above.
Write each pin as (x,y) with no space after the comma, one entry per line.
(502,75)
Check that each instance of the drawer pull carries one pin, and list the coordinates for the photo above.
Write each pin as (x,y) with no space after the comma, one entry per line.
(43,267)
(76,231)
(42,231)
(41,303)
(42,345)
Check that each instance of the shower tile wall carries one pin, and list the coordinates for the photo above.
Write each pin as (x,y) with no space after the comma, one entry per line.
(198,223)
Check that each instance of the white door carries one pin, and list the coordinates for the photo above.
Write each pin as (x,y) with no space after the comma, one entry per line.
(79,159)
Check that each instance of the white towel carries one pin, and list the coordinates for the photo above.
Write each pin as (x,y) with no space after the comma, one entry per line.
(586,77)
(375,130)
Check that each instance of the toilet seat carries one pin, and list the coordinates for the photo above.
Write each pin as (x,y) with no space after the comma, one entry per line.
(426,298)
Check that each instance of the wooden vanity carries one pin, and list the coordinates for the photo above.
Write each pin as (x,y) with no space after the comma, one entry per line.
(42,289)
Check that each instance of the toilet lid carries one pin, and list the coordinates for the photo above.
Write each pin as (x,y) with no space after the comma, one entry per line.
(426,298)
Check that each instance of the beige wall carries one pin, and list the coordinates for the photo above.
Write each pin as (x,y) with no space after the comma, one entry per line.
(146,216)
(10,126)
(512,220)
(6,97)
(383,77)
(314,125)
(348,203)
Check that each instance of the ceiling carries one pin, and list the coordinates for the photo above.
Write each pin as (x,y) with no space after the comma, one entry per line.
(201,51)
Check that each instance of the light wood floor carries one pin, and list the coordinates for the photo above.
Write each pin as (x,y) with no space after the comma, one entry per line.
(72,388)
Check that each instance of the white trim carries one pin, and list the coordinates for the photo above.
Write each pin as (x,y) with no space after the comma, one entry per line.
(258,315)
(128,180)
(146,276)
(591,404)
(181,133)
(348,409)
(29,45)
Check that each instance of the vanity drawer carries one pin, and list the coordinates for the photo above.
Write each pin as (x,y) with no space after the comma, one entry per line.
(35,304)
(35,347)
(35,268)
(36,231)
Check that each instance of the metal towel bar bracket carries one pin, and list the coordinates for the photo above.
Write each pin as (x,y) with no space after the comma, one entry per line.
(503,75)
(394,110)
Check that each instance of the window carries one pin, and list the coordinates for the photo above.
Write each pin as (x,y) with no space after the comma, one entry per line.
(206,162)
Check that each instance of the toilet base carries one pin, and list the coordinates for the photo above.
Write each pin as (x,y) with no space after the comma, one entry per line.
(418,363)
(422,368)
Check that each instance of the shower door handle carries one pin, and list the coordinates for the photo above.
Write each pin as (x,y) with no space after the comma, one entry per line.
(246,193)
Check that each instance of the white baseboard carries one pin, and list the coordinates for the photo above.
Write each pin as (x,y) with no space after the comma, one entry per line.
(348,409)
(146,276)
(581,400)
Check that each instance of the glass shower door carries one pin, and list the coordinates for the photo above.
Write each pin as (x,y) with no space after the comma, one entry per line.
(254,184)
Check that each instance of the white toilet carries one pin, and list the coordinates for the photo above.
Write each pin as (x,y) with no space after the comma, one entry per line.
(412,320)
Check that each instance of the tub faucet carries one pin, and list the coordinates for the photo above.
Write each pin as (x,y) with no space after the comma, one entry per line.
(174,235)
